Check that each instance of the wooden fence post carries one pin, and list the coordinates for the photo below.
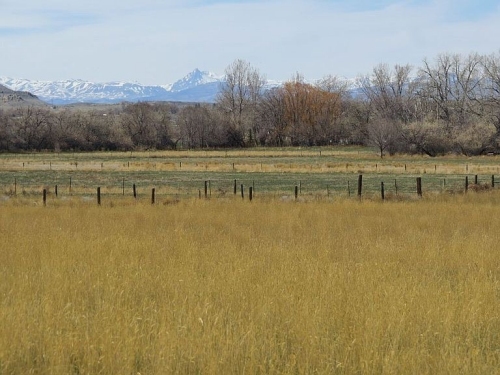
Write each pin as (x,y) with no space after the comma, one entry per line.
(123,185)
(250,193)
(206,189)
(15,186)
(99,196)
(55,190)
(296,192)
(360,185)
(134,191)
(153,196)
(396,186)
(382,193)
(70,184)
(492,180)
(466,183)
(44,197)
(475,179)
(419,186)
(242,192)
(234,187)
(348,189)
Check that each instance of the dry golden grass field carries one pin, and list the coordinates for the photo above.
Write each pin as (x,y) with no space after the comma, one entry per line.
(272,286)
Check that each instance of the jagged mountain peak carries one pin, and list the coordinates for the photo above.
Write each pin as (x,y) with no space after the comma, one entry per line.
(195,78)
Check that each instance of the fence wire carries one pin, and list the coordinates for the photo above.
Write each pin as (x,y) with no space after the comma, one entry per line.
(223,184)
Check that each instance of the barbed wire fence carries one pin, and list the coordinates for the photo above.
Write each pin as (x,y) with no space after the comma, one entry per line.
(219,185)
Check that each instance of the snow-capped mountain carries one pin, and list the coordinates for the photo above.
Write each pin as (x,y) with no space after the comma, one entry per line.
(197,86)
(195,78)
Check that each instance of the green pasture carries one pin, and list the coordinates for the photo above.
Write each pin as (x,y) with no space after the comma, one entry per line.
(315,172)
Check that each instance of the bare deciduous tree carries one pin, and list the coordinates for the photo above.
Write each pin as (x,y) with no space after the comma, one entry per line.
(310,112)
(383,134)
(391,93)
(148,125)
(273,118)
(491,69)
(5,129)
(198,128)
(453,84)
(475,139)
(32,128)
(238,97)
(426,138)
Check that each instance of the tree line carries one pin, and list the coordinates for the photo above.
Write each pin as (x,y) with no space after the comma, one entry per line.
(449,104)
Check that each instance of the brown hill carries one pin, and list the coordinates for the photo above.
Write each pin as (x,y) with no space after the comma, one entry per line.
(10,98)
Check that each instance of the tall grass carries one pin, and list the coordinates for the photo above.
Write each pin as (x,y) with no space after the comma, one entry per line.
(232,287)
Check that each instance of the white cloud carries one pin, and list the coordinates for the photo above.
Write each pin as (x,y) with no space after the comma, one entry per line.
(157,41)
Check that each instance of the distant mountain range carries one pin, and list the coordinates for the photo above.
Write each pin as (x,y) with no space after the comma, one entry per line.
(198,86)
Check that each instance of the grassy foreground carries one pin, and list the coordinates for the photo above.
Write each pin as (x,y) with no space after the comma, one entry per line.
(233,287)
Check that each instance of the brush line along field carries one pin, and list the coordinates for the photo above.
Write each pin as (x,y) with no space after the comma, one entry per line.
(232,287)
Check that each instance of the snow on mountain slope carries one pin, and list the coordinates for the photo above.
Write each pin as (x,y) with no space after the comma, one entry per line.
(71,91)
(197,86)
(195,78)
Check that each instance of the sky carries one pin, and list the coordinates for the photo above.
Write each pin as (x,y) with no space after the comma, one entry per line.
(157,42)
